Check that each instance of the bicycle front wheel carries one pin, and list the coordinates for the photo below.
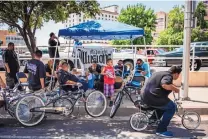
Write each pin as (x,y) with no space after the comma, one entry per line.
(95,104)
(116,104)
(191,120)
(23,110)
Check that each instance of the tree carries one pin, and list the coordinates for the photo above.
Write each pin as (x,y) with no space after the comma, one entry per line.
(176,18)
(139,16)
(27,16)
(173,34)
(170,37)
(200,13)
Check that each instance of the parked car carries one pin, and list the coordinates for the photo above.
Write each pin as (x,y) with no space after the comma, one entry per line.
(201,52)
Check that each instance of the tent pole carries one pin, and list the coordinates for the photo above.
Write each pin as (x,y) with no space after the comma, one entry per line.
(68,50)
(145,48)
(133,52)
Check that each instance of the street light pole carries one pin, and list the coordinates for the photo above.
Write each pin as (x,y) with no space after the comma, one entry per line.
(186,51)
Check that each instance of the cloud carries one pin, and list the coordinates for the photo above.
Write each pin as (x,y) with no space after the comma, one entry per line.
(42,34)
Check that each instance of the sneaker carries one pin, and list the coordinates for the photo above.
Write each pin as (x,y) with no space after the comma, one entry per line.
(111,104)
(166,134)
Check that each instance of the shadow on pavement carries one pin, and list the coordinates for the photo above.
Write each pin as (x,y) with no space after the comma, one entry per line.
(90,128)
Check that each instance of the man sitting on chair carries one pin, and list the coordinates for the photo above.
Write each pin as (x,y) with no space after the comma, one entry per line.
(142,68)
(68,80)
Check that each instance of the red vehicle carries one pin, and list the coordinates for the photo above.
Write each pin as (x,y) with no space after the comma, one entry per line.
(151,53)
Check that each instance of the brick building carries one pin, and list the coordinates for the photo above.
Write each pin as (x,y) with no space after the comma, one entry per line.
(14,37)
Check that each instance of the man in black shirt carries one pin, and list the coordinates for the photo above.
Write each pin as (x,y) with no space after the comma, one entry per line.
(37,73)
(11,65)
(155,94)
(66,78)
(52,42)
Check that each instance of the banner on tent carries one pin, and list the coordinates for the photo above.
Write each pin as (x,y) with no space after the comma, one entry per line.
(99,54)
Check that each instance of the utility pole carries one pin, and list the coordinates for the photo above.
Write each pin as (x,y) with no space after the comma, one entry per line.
(194,5)
(186,52)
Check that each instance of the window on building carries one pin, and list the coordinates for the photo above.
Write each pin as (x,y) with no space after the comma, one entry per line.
(109,16)
(73,20)
(112,16)
(80,20)
(98,18)
(106,16)
(102,15)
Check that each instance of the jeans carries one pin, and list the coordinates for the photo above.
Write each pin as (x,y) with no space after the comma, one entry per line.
(169,111)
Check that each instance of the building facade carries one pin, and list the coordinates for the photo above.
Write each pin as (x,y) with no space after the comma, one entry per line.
(106,13)
(161,23)
(7,37)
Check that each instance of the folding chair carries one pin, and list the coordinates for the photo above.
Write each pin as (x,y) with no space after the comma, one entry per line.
(22,79)
(138,81)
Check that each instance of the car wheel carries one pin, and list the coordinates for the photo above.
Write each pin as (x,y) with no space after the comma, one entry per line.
(129,65)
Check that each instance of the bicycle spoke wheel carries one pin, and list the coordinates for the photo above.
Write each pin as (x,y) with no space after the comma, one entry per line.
(191,120)
(116,105)
(139,121)
(95,104)
(23,113)
(66,103)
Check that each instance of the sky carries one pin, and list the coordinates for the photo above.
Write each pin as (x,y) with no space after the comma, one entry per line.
(43,33)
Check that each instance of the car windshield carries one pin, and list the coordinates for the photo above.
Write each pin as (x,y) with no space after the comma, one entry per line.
(180,49)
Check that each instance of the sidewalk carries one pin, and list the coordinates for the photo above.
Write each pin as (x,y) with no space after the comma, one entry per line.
(198,103)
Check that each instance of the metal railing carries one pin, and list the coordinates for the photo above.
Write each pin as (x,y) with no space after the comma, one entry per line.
(135,52)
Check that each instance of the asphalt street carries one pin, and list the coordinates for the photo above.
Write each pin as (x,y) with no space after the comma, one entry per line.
(90,128)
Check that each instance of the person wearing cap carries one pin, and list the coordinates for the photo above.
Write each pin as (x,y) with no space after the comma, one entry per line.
(142,68)
(67,80)
(155,94)
(36,70)
(11,65)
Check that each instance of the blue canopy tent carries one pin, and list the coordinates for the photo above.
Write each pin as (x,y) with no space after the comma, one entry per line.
(102,30)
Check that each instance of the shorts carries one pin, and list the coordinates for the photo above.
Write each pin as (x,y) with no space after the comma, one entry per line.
(108,90)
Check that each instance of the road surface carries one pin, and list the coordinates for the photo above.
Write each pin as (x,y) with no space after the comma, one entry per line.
(90,128)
